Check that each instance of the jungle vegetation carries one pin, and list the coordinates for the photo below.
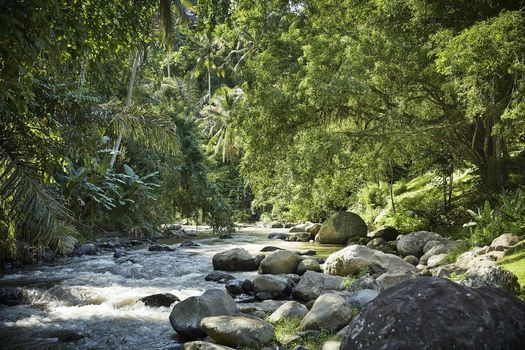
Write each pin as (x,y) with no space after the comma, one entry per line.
(124,115)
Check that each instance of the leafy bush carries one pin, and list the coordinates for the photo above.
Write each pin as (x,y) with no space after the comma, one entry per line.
(406,221)
(373,195)
(488,223)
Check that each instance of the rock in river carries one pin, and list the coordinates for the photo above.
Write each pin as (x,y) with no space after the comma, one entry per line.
(276,286)
(341,227)
(186,316)
(434,313)
(355,259)
(236,259)
(290,309)
(330,311)
(158,300)
(312,284)
(238,331)
(279,262)
(413,243)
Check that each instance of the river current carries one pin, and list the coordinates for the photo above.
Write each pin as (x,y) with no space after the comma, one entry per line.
(96,298)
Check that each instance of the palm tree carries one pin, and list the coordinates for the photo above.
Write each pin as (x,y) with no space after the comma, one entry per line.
(166,17)
(218,121)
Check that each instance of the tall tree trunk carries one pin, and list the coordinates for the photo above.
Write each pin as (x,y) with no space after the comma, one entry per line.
(391,183)
(450,187)
(209,78)
(133,74)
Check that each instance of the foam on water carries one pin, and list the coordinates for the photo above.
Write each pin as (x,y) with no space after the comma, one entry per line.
(94,296)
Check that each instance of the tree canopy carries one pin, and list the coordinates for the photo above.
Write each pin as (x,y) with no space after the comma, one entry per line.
(222,111)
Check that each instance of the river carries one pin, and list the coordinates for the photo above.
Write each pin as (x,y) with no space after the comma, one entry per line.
(97,298)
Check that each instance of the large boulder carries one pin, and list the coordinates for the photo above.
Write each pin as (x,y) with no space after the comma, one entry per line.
(239,331)
(342,227)
(279,262)
(434,313)
(236,259)
(330,311)
(186,316)
(355,259)
(276,286)
(290,309)
(312,284)
(413,243)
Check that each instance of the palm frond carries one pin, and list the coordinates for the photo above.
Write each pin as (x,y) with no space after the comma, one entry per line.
(39,218)
(142,124)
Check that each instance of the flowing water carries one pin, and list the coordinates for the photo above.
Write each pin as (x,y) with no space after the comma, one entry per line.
(97,298)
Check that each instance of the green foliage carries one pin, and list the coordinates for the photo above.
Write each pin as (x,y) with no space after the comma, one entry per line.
(290,326)
(514,261)
(457,277)
(454,254)
(489,223)
(406,221)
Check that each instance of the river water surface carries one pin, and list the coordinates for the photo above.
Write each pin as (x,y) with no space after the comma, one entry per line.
(97,298)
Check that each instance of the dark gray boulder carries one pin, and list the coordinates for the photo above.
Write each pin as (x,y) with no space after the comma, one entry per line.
(276,286)
(278,235)
(236,259)
(86,249)
(188,243)
(312,284)
(158,300)
(186,316)
(160,248)
(388,233)
(270,248)
(234,287)
(434,313)
(218,276)
(414,242)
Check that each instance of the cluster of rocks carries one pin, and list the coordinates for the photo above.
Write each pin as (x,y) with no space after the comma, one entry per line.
(176,231)
(479,268)
(383,274)
(411,314)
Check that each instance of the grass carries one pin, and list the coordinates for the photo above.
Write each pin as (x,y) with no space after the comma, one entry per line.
(456,277)
(290,326)
(515,263)
(454,254)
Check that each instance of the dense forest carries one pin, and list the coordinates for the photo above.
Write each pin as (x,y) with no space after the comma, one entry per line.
(120,116)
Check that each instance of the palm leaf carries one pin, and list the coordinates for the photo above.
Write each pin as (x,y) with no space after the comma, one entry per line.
(149,128)
(39,218)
